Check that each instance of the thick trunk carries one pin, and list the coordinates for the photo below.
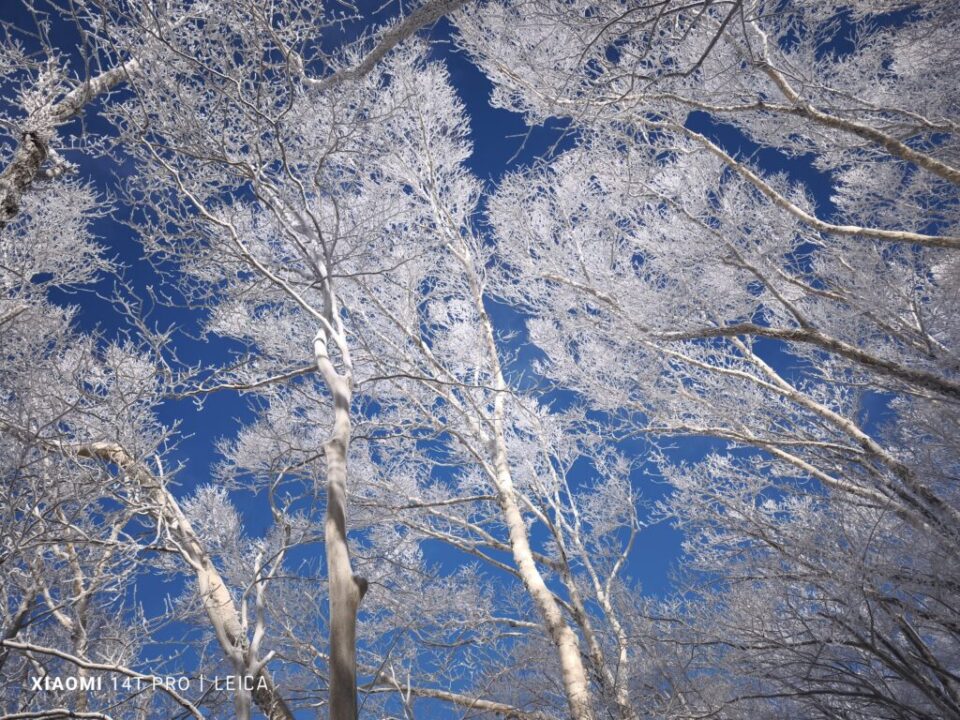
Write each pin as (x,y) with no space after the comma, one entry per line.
(567,644)
(224,617)
(345,589)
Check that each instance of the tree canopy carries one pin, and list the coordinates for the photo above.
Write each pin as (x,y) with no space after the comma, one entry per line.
(374,360)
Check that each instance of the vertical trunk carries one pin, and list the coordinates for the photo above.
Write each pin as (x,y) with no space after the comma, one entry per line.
(345,589)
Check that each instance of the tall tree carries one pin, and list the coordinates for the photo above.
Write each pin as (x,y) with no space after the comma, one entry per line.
(686,291)
(782,343)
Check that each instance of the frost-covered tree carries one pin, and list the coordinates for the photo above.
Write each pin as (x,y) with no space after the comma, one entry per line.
(296,177)
(335,226)
(73,532)
(682,289)
(483,457)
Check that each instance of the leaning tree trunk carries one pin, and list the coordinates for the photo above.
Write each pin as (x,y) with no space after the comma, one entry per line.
(33,146)
(217,601)
(573,674)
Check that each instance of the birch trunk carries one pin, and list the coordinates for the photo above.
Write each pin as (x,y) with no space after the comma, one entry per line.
(573,674)
(223,615)
(217,601)
(564,639)
(345,590)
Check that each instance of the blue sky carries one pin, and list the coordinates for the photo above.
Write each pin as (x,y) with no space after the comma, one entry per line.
(501,142)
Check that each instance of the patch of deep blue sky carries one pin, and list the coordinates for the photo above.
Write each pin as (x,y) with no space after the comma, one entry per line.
(501,142)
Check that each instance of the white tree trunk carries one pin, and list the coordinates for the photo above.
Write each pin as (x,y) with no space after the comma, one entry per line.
(217,601)
(345,590)
(574,676)
(575,684)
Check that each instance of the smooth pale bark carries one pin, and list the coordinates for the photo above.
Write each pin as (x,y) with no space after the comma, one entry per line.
(620,681)
(345,590)
(611,688)
(564,639)
(217,601)
(574,676)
